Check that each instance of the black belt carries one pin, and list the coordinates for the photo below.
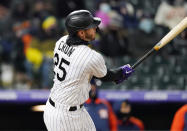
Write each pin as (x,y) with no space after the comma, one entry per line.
(72,108)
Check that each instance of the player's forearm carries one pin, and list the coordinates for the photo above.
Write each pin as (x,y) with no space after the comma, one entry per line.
(118,75)
(112,75)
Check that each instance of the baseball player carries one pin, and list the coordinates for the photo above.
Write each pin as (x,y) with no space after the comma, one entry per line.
(74,66)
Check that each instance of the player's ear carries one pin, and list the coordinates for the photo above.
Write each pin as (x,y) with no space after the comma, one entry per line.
(81,34)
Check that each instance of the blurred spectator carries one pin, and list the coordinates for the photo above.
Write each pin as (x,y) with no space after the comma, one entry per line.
(14,25)
(113,40)
(42,9)
(39,53)
(5,35)
(20,10)
(3,12)
(170,13)
(6,75)
(6,69)
(125,119)
(127,11)
(100,111)
(146,23)
(103,13)
(20,15)
(180,119)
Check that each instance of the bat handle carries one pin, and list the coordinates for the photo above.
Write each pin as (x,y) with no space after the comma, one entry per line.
(143,58)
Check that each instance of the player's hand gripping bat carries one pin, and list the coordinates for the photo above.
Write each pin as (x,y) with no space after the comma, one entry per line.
(165,40)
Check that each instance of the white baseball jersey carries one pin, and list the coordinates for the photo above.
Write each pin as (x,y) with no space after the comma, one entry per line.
(74,66)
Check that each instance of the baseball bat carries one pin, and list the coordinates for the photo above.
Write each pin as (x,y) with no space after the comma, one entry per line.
(165,40)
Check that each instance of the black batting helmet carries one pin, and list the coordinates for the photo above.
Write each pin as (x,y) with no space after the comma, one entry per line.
(80,19)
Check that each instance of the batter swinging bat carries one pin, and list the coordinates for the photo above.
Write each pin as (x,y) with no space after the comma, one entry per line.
(165,40)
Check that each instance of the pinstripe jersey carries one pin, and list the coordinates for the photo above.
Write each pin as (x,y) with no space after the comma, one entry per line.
(74,66)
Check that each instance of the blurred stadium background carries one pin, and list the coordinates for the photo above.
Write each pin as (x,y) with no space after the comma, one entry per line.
(29,29)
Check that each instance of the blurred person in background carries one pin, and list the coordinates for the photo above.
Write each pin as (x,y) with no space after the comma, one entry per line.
(20,26)
(125,119)
(103,13)
(128,13)
(39,53)
(180,119)
(100,111)
(6,68)
(171,12)
(168,15)
(145,35)
(146,23)
(14,27)
(113,41)
(42,8)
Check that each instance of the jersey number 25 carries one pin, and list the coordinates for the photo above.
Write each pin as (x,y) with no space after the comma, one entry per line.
(60,78)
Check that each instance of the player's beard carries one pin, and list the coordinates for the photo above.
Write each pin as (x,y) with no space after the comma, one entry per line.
(89,36)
